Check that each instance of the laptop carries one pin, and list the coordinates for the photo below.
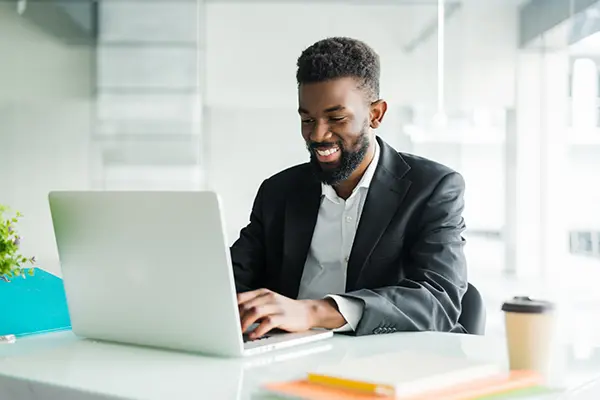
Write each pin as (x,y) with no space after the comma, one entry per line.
(154,269)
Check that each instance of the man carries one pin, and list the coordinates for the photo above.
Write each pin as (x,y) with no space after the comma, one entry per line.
(362,239)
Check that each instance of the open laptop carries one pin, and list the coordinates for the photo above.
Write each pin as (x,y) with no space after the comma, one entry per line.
(154,269)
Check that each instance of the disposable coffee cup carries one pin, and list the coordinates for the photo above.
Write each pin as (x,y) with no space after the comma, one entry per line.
(530,333)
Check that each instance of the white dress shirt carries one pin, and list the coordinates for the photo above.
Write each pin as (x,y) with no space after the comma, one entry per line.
(326,265)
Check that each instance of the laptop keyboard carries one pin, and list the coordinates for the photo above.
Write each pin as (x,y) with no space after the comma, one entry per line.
(247,338)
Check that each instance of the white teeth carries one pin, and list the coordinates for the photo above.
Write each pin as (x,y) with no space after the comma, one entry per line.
(327,152)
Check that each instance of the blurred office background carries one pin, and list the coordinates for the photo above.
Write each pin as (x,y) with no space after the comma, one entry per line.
(193,94)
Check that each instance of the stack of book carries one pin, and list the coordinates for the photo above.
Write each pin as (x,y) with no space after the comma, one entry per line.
(410,376)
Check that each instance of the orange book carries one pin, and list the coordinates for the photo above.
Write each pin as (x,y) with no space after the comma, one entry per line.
(306,390)
(478,389)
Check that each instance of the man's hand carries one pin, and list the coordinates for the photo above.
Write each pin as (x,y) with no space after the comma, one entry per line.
(272,310)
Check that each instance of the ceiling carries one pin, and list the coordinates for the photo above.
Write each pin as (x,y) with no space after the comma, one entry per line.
(367,2)
(360,2)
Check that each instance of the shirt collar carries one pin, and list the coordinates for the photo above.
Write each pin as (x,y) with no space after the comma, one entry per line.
(364,183)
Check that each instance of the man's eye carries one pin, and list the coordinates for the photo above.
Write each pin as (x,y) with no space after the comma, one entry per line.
(308,121)
(337,119)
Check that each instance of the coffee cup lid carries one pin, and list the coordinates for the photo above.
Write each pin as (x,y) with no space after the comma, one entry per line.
(524,304)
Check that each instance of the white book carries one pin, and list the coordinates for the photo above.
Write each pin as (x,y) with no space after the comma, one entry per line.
(404,373)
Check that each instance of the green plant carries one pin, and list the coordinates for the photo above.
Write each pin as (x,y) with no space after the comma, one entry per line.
(12,263)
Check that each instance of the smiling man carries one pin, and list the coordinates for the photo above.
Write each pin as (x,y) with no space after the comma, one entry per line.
(362,239)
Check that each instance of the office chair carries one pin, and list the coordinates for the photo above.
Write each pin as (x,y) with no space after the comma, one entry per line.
(473,315)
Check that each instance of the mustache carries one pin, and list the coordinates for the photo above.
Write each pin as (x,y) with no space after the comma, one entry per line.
(323,145)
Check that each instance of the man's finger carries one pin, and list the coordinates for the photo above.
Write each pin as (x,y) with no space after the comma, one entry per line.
(255,314)
(247,296)
(265,298)
(267,324)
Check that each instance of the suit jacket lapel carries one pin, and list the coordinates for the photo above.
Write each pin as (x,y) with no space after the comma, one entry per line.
(386,192)
(301,213)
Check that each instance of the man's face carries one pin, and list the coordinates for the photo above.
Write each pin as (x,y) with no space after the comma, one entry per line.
(336,127)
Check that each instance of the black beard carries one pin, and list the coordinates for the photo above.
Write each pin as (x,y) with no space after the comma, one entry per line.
(349,160)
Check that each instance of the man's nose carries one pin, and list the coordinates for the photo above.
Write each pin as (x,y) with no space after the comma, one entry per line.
(320,132)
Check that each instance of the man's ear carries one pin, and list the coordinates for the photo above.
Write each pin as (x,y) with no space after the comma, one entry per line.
(378,109)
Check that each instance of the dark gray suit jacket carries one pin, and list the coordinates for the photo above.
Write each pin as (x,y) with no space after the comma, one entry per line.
(407,264)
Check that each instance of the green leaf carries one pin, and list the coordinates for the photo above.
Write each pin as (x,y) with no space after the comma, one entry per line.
(31,271)
(17,272)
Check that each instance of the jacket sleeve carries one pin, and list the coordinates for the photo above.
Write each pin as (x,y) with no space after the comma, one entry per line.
(248,252)
(429,298)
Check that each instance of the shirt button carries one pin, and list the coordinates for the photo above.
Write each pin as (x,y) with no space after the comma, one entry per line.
(346,259)
(348,219)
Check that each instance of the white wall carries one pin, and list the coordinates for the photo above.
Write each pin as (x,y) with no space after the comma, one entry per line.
(582,190)
(45,89)
(252,48)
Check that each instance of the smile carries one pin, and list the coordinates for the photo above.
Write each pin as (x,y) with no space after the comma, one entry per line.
(329,155)
(327,152)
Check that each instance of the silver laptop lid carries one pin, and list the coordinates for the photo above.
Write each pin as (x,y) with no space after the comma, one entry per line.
(149,268)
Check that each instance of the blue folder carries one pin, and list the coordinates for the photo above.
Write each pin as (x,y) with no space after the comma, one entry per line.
(33,305)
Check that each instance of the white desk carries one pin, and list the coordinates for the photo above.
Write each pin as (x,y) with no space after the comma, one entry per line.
(61,366)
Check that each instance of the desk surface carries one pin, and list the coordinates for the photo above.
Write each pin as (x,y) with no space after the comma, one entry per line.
(57,364)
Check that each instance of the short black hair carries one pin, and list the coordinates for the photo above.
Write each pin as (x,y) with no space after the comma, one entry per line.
(340,57)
